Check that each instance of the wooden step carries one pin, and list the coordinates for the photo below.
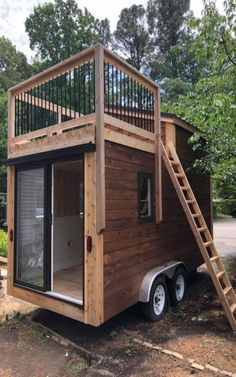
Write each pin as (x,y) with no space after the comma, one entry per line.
(213,259)
(202,229)
(190,201)
(173,162)
(196,214)
(220,274)
(208,243)
(179,175)
(185,188)
(226,290)
(233,308)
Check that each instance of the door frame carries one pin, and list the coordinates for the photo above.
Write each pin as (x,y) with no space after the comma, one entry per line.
(46,228)
(63,296)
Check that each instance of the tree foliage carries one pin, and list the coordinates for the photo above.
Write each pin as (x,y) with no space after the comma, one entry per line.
(167,20)
(60,29)
(211,104)
(13,69)
(131,37)
(13,65)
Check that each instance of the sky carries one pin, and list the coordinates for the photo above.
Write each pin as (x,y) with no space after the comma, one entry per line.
(13,14)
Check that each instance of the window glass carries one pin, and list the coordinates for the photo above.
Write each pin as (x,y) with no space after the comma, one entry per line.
(30,227)
(145,197)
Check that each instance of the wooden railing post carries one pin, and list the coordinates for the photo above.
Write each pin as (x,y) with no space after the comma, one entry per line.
(11,120)
(100,144)
(158,172)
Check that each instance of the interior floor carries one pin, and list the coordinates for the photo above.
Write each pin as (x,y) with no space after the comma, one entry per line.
(69,282)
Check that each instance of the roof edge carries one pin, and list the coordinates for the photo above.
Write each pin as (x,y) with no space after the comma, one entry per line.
(172,118)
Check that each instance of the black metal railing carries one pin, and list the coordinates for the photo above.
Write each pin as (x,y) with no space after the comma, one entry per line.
(72,94)
(67,96)
(127,99)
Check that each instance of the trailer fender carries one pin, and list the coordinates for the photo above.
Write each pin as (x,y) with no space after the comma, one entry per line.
(167,269)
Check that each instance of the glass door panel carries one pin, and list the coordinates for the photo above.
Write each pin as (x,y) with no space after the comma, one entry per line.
(30,227)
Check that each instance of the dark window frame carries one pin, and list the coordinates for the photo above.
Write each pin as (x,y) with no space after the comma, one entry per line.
(47,225)
(141,177)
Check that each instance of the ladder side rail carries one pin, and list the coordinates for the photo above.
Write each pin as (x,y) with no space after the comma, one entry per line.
(197,208)
(229,308)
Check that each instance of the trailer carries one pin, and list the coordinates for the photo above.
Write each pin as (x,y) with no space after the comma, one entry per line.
(101,214)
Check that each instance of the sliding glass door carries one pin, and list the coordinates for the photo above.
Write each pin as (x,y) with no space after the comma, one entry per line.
(32,220)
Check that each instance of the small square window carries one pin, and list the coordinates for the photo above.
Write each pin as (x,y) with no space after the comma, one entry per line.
(145,197)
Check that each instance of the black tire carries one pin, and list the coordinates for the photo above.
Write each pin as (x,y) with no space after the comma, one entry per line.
(178,286)
(159,290)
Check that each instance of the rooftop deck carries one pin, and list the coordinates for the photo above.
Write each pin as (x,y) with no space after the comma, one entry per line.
(89,98)
(63,98)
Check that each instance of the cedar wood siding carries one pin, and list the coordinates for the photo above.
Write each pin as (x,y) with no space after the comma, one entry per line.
(131,249)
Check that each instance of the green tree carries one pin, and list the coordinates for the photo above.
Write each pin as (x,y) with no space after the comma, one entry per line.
(13,65)
(131,37)
(13,69)
(60,29)
(211,104)
(214,46)
(171,37)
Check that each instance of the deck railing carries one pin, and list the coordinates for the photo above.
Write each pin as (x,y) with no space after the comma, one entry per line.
(127,99)
(68,95)
(67,91)
(65,97)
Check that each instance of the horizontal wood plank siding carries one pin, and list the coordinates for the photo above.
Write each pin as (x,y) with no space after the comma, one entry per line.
(130,248)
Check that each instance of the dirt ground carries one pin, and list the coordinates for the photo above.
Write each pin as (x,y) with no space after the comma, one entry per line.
(197,329)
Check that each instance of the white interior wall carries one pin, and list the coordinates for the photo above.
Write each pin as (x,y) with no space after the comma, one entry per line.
(68,242)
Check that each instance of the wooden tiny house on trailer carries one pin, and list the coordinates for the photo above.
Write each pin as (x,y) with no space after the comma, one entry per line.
(94,215)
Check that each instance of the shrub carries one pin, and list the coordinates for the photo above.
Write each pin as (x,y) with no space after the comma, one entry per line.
(3,243)
(224,207)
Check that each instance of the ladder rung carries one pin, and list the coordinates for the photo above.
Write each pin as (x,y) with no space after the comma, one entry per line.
(215,258)
(233,308)
(173,162)
(220,274)
(177,175)
(202,229)
(206,244)
(196,214)
(226,290)
(185,188)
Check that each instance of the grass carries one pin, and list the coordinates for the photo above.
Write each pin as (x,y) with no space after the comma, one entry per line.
(37,334)
(217,341)
(75,368)
(178,312)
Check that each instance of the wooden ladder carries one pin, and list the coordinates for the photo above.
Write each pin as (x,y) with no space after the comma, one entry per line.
(201,232)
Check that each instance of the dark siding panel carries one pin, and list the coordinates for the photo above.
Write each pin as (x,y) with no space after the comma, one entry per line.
(131,249)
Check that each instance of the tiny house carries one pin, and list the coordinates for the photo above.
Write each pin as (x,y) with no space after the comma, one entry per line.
(94,221)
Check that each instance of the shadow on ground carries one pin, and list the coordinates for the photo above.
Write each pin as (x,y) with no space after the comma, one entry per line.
(199,312)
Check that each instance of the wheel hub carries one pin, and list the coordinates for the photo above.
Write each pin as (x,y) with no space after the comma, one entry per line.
(159,299)
(179,287)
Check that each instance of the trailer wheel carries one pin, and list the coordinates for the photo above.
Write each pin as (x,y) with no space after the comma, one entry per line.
(158,302)
(178,286)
